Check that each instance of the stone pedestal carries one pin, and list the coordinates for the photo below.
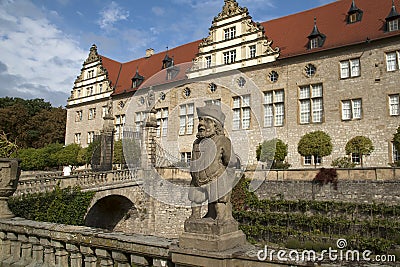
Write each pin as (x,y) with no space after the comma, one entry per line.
(9,176)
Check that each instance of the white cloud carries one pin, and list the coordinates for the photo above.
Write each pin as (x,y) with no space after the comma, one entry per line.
(38,60)
(112,14)
(159,11)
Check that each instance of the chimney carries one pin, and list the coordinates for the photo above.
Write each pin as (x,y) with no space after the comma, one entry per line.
(149,52)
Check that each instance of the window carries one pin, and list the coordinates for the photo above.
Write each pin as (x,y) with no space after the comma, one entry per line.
(162,122)
(77,138)
(274,108)
(92,113)
(241,112)
(314,43)
(241,82)
(139,120)
(100,88)
(90,137)
(104,111)
(213,87)
(394,105)
(392,61)
(186,113)
(310,70)
(308,160)
(79,115)
(356,158)
(273,76)
(89,91)
(229,57)
(349,68)
(78,93)
(253,51)
(213,102)
(90,74)
(119,126)
(230,33)
(351,109)
(186,92)
(310,102)
(208,61)
(352,18)
(393,25)
(186,157)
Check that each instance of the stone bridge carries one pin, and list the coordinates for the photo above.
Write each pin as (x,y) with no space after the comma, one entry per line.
(120,203)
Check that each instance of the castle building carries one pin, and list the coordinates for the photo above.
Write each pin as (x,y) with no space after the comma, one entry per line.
(335,68)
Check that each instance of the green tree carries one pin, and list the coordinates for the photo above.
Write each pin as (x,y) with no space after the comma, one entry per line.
(316,144)
(361,146)
(32,123)
(118,157)
(68,155)
(275,151)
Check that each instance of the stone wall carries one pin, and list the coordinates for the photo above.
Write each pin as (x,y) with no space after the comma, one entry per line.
(371,185)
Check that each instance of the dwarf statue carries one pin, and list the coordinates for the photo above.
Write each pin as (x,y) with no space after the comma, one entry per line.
(211,166)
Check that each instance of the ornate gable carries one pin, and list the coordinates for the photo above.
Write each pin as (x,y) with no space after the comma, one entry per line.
(234,39)
(93,55)
(231,8)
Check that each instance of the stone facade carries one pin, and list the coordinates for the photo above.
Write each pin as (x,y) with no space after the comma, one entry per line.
(248,83)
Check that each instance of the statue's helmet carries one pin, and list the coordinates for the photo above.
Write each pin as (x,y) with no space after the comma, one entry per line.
(212,111)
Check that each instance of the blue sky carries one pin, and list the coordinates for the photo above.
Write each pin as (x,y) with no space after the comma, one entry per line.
(44,43)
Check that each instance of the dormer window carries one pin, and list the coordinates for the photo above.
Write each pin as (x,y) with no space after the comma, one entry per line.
(316,39)
(392,20)
(230,33)
(354,14)
(167,62)
(137,79)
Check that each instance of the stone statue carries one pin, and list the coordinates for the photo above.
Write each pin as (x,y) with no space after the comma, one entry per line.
(211,167)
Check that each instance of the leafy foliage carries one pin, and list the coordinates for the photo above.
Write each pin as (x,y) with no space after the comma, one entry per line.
(65,206)
(68,155)
(343,163)
(118,157)
(312,223)
(32,123)
(360,145)
(6,147)
(275,151)
(325,176)
(316,144)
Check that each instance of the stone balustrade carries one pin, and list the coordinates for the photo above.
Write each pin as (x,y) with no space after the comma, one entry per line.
(29,243)
(85,180)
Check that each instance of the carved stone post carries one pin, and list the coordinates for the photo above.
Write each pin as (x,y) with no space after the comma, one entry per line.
(49,257)
(26,251)
(9,175)
(90,258)
(76,256)
(120,259)
(149,135)
(37,252)
(105,258)
(61,255)
(15,249)
(5,247)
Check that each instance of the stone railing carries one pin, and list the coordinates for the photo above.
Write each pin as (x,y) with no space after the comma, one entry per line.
(29,243)
(86,180)
(371,174)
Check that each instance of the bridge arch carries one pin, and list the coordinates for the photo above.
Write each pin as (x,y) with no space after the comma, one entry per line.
(108,211)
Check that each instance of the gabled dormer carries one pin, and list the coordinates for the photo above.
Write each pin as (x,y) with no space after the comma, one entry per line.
(235,41)
(316,38)
(137,79)
(167,62)
(392,20)
(354,14)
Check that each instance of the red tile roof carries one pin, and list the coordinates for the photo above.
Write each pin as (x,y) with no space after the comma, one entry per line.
(289,33)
